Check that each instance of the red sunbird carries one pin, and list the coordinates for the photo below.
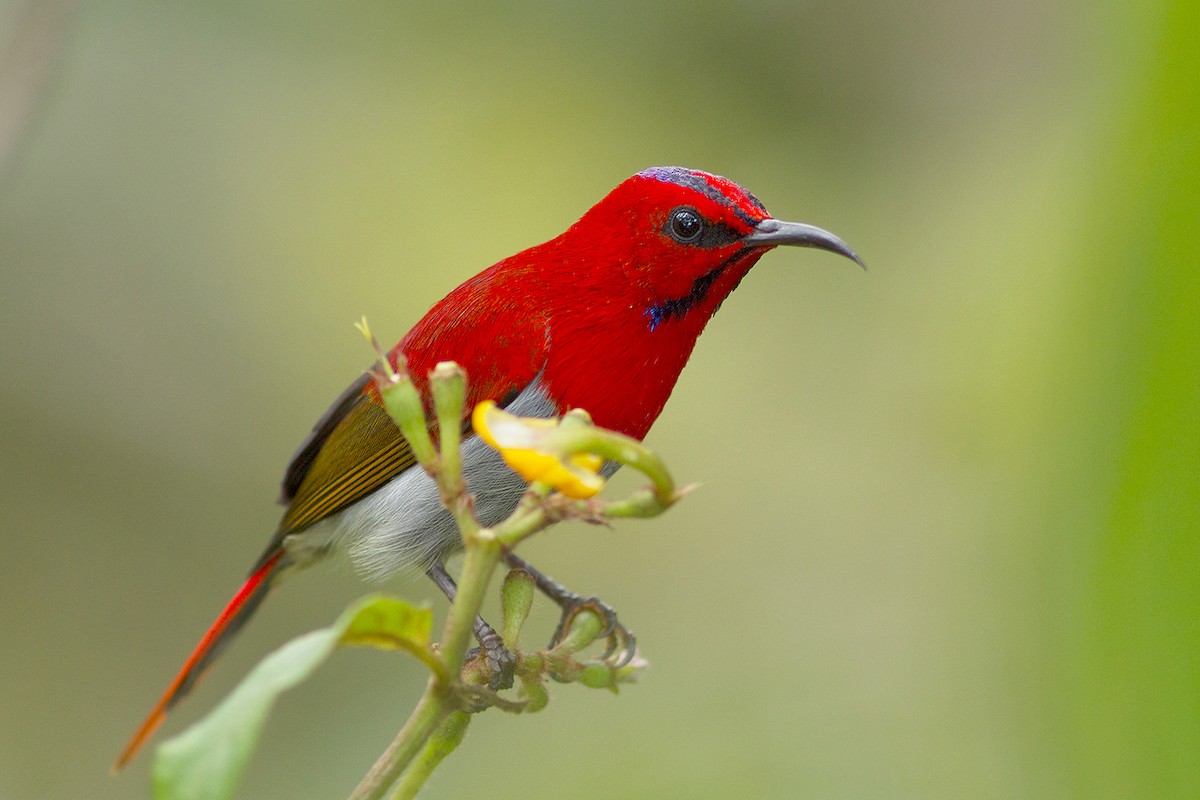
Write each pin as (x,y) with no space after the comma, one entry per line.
(603,317)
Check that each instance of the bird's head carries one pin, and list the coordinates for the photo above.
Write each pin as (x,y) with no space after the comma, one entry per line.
(682,239)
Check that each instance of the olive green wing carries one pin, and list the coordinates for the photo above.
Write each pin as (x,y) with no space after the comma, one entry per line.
(353,450)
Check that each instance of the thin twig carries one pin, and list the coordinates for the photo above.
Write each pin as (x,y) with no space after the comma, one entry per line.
(429,713)
(448,736)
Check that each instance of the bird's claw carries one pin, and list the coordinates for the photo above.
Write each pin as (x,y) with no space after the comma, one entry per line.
(620,640)
(500,661)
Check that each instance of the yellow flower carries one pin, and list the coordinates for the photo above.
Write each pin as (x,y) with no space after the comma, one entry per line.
(530,446)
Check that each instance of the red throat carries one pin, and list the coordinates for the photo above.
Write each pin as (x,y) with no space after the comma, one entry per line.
(621,360)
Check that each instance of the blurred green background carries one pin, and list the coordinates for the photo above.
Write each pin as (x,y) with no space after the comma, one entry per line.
(946,544)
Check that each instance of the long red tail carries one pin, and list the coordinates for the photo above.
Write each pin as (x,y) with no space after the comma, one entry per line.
(236,612)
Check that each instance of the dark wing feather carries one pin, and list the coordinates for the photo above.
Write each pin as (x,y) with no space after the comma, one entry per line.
(307,451)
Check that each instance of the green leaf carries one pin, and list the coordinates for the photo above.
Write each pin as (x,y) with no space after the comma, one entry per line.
(388,623)
(206,761)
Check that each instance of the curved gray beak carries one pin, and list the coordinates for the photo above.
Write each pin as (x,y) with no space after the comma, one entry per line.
(776,232)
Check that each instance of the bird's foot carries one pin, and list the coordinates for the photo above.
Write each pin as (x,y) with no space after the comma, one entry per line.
(621,644)
(501,662)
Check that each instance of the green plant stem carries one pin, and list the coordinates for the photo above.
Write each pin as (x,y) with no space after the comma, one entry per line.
(521,525)
(483,554)
(613,446)
(404,406)
(448,736)
(428,715)
(448,386)
(643,503)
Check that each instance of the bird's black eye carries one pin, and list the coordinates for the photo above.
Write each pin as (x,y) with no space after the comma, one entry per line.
(685,225)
